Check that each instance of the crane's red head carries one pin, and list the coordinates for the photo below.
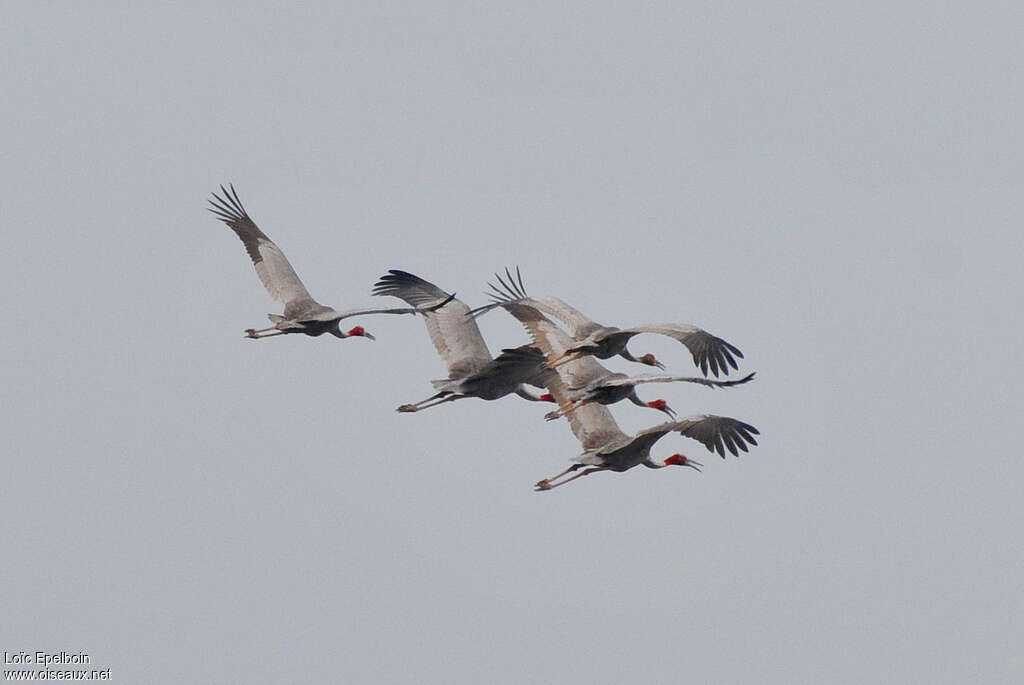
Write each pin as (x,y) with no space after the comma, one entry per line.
(662,405)
(359,331)
(650,361)
(683,460)
(547,397)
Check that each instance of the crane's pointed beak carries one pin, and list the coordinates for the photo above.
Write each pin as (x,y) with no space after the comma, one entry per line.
(369,335)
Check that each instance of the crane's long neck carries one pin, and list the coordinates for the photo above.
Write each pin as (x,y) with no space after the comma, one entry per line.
(625,354)
(527,395)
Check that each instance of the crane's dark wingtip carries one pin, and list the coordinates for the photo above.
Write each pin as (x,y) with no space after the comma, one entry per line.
(511,287)
(481,310)
(229,206)
(732,348)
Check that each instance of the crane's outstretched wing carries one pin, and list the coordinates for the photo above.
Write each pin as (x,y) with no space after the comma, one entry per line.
(592,424)
(717,433)
(272,266)
(512,291)
(707,350)
(397,310)
(666,378)
(455,335)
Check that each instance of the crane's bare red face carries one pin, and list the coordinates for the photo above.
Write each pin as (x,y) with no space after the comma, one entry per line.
(682,460)
(547,397)
(662,405)
(360,331)
(650,360)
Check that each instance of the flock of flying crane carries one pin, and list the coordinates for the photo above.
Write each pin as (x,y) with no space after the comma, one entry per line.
(562,362)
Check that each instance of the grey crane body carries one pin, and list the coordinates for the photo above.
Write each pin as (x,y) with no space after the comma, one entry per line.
(472,372)
(606,342)
(600,390)
(513,368)
(591,338)
(302,314)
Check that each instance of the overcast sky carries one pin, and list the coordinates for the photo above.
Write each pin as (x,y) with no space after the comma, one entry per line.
(835,191)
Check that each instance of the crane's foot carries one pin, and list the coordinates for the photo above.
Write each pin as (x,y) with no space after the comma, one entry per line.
(405,408)
(542,485)
(552,415)
(251,333)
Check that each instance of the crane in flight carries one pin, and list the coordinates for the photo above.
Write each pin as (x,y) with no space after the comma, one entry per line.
(302,314)
(604,342)
(594,383)
(609,449)
(610,387)
(472,372)
(606,447)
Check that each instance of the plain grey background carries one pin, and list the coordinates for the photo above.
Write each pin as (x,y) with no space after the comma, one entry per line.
(832,189)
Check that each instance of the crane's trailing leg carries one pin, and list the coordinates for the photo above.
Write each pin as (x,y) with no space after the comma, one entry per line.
(263,333)
(546,484)
(558,413)
(432,401)
(564,358)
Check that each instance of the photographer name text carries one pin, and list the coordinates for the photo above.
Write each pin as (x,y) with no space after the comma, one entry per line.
(46,658)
